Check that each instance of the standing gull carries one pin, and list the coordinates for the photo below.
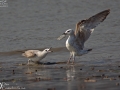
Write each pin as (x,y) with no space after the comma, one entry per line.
(36,55)
(77,38)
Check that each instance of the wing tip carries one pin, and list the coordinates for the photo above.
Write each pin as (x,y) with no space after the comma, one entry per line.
(108,11)
(105,14)
(101,17)
(82,21)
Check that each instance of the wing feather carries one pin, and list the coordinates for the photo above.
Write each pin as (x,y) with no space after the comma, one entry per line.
(29,53)
(84,28)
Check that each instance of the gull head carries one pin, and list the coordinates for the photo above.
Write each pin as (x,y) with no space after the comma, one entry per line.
(47,50)
(67,32)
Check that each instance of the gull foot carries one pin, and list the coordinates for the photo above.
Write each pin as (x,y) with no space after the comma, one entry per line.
(72,63)
(68,62)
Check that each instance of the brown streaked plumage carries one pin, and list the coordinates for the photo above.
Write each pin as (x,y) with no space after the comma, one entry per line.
(84,28)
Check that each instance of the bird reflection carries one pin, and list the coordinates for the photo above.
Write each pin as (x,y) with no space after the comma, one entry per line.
(70,73)
(73,81)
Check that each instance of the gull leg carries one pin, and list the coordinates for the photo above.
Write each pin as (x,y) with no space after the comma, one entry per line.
(69,58)
(43,64)
(29,61)
(73,61)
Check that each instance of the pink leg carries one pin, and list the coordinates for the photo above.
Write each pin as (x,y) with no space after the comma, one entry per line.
(29,61)
(73,61)
(69,58)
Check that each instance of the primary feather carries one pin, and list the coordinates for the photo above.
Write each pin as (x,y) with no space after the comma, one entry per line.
(84,28)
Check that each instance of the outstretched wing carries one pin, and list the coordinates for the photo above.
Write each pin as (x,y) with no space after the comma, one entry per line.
(84,28)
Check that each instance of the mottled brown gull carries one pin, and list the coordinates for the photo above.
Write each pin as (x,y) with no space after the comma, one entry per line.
(77,38)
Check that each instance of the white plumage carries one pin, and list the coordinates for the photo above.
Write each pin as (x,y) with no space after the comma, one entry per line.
(36,55)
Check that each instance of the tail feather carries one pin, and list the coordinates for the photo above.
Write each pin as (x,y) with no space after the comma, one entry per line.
(23,54)
(89,50)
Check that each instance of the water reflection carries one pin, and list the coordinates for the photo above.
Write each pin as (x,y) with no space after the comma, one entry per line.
(75,79)
(70,73)
(39,71)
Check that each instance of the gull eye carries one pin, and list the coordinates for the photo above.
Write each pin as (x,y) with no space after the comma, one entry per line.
(46,50)
(68,31)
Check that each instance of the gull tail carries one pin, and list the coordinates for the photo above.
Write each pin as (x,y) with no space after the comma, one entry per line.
(23,54)
(89,50)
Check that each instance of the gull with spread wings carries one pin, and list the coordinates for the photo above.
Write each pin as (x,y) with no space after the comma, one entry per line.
(77,38)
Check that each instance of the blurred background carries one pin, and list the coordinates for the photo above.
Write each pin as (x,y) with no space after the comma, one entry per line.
(34,24)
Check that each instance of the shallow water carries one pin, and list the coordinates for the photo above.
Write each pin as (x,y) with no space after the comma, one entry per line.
(28,24)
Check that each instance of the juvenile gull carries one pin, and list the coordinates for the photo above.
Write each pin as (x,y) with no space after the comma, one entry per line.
(77,38)
(36,55)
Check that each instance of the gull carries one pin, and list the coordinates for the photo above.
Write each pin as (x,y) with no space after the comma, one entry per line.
(36,55)
(77,38)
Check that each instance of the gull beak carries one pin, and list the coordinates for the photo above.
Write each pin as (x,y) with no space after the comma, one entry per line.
(64,34)
(61,36)
(50,49)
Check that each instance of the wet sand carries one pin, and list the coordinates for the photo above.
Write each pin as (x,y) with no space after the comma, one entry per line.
(52,75)
(28,24)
